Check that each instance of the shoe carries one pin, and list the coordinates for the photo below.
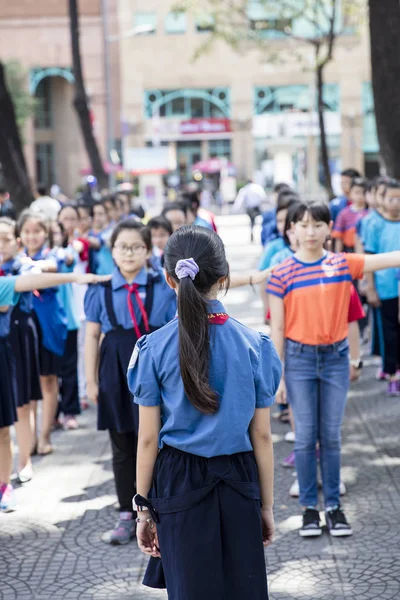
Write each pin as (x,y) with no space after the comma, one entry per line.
(288,462)
(7,502)
(381,375)
(337,524)
(393,388)
(294,491)
(25,474)
(124,530)
(342,488)
(311,524)
(70,423)
(290,437)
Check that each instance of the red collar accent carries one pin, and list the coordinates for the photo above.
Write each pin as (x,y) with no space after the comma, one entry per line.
(217,318)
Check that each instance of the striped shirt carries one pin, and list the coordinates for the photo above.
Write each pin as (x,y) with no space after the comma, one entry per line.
(345,226)
(316,296)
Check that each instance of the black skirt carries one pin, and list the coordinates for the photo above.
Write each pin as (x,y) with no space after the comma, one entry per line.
(116,409)
(8,392)
(209,527)
(49,363)
(24,341)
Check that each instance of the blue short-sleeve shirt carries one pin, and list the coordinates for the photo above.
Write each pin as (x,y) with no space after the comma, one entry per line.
(8,297)
(244,369)
(384,236)
(270,250)
(164,302)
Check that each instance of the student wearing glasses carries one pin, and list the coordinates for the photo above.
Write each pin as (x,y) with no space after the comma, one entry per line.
(136,301)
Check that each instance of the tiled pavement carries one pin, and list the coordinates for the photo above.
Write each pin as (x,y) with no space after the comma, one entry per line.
(51,548)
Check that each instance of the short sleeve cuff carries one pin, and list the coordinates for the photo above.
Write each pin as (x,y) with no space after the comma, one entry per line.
(265,402)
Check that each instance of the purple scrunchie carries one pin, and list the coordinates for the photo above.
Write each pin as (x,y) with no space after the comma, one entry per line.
(187,267)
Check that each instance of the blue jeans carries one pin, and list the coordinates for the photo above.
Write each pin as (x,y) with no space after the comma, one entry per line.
(317,382)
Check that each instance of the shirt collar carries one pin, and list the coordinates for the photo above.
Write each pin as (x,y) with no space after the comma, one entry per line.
(215,307)
(118,280)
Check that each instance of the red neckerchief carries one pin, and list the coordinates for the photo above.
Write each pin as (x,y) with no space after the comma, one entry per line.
(133,289)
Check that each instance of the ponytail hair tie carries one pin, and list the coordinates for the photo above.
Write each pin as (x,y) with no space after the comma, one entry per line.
(187,267)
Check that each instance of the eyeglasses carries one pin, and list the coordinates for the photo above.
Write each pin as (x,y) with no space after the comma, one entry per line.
(125,249)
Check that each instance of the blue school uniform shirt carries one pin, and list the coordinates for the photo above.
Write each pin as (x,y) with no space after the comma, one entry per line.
(102,262)
(384,236)
(244,370)
(363,224)
(65,292)
(269,230)
(8,297)
(202,223)
(337,205)
(280,256)
(15,267)
(164,302)
(270,250)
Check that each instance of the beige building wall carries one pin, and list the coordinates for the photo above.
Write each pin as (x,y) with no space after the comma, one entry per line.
(37,35)
(165,62)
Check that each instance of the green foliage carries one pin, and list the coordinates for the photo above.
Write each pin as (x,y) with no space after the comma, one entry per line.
(24,103)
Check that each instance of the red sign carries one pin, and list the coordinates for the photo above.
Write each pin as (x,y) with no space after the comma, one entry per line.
(196,126)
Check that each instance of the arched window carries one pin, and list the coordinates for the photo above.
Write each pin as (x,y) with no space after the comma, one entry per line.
(188,103)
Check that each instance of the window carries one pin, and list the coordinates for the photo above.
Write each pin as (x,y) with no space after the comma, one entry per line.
(205,23)
(146,22)
(43,109)
(175,22)
(271,28)
(220,148)
(188,103)
(45,163)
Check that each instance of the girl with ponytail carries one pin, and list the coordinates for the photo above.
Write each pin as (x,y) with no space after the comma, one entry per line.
(204,384)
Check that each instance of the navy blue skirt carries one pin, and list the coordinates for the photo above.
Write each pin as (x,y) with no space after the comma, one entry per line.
(8,392)
(24,341)
(49,363)
(116,409)
(209,527)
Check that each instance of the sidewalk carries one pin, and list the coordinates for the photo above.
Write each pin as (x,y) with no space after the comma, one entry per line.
(51,547)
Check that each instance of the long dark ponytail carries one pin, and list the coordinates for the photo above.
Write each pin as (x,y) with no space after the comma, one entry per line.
(205,247)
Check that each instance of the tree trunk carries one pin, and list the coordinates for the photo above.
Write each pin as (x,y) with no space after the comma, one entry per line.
(384,25)
(11,153)
(80,100)
(323,138)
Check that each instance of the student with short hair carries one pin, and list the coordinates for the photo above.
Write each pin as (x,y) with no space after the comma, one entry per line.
(383,235)
(344,229)
(309,300)
(136,301)
(339,203)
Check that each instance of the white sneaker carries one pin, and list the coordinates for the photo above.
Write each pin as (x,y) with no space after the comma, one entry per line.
(294,491)
(290,436)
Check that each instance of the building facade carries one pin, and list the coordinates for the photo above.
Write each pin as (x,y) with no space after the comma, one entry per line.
(36,35)
(258,114)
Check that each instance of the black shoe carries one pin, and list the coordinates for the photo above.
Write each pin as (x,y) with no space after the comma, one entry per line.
(337,524)
(311,524)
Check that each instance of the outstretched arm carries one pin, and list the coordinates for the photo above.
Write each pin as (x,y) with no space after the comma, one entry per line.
(28,283)
(377,262)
